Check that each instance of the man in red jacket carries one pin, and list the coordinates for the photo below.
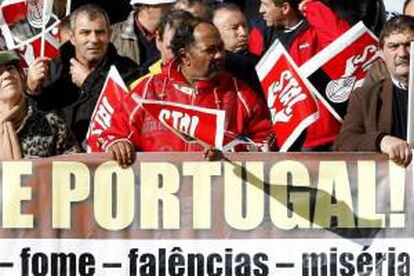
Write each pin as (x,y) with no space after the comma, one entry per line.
(304,28)
(195,78)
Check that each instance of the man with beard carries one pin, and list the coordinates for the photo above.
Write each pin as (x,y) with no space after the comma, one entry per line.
(377,113)
(195,78)
(232,25)
(135,37)
(71,84)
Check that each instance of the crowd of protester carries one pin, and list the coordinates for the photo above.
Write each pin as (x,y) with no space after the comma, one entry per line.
(201,53)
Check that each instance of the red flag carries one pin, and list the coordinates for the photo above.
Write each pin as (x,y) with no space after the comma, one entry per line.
(341,67)
(113,92)
(13,11)
(292,106)
(32,49)
(191,123)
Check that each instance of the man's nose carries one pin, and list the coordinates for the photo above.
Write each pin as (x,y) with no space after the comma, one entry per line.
(93,37)
(219,54)
(242,31)
(403,50)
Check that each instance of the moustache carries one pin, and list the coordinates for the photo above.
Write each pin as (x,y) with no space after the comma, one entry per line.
(401,61)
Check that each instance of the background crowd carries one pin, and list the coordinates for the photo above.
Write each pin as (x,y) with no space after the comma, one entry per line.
(195,52)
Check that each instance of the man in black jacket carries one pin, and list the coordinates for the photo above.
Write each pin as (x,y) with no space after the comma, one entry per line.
(71,84)
(232,25)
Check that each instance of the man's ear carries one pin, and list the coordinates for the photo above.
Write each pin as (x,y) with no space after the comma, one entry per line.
(185,56)
(109,32)
(286,8)
(72,37)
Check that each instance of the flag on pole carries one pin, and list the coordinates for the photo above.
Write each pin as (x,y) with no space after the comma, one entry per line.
(292,106)
(191,123)
(336,71)
(112,95)
(25,25)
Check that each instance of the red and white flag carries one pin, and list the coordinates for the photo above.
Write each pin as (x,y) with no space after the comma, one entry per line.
(112,95)
(336,71)
(31,27)
(32,49)
(12,11)
(190,123)
(292,106)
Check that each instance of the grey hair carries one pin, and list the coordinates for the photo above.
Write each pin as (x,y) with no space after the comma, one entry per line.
(93,11)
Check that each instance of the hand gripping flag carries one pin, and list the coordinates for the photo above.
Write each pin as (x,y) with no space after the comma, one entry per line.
(340,68)
(292,106)
(191,123)
(112,95)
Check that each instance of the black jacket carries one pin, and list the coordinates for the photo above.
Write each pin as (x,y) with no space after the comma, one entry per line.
(74,104)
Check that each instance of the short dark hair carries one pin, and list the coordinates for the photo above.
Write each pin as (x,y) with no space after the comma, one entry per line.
(293,3)
(92,10)
(174,19)
(184,36)
(397,24)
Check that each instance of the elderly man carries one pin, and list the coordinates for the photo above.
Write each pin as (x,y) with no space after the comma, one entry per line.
(377,113)
(232,25)
(195,78)
(135,37)
(71,84)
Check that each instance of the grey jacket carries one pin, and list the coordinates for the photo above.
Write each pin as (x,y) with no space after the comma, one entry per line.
(125,40)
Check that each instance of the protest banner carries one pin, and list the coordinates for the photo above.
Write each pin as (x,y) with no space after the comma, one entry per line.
(340,68)
(177,214)
(191,123)
(291,104)
(111,97)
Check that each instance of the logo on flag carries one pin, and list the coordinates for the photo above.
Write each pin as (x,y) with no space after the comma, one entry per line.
(112,94)
(190,123)
(292,106)
(336,71)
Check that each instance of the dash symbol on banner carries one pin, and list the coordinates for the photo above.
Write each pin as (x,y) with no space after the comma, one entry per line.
(111,265)
(5,264)
(285,265)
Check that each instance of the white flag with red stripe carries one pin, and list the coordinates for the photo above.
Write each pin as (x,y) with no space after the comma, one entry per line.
(292,105)
(113,93)
(190,123)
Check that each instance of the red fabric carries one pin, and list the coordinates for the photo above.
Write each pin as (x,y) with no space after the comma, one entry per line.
(14,12)
(325,27)
(256,42)
(246,113)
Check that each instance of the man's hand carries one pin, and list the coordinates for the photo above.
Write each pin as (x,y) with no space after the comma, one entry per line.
(78,72)
(123,152)
(212,154)
(302,4)
(38,72)
(398,150)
